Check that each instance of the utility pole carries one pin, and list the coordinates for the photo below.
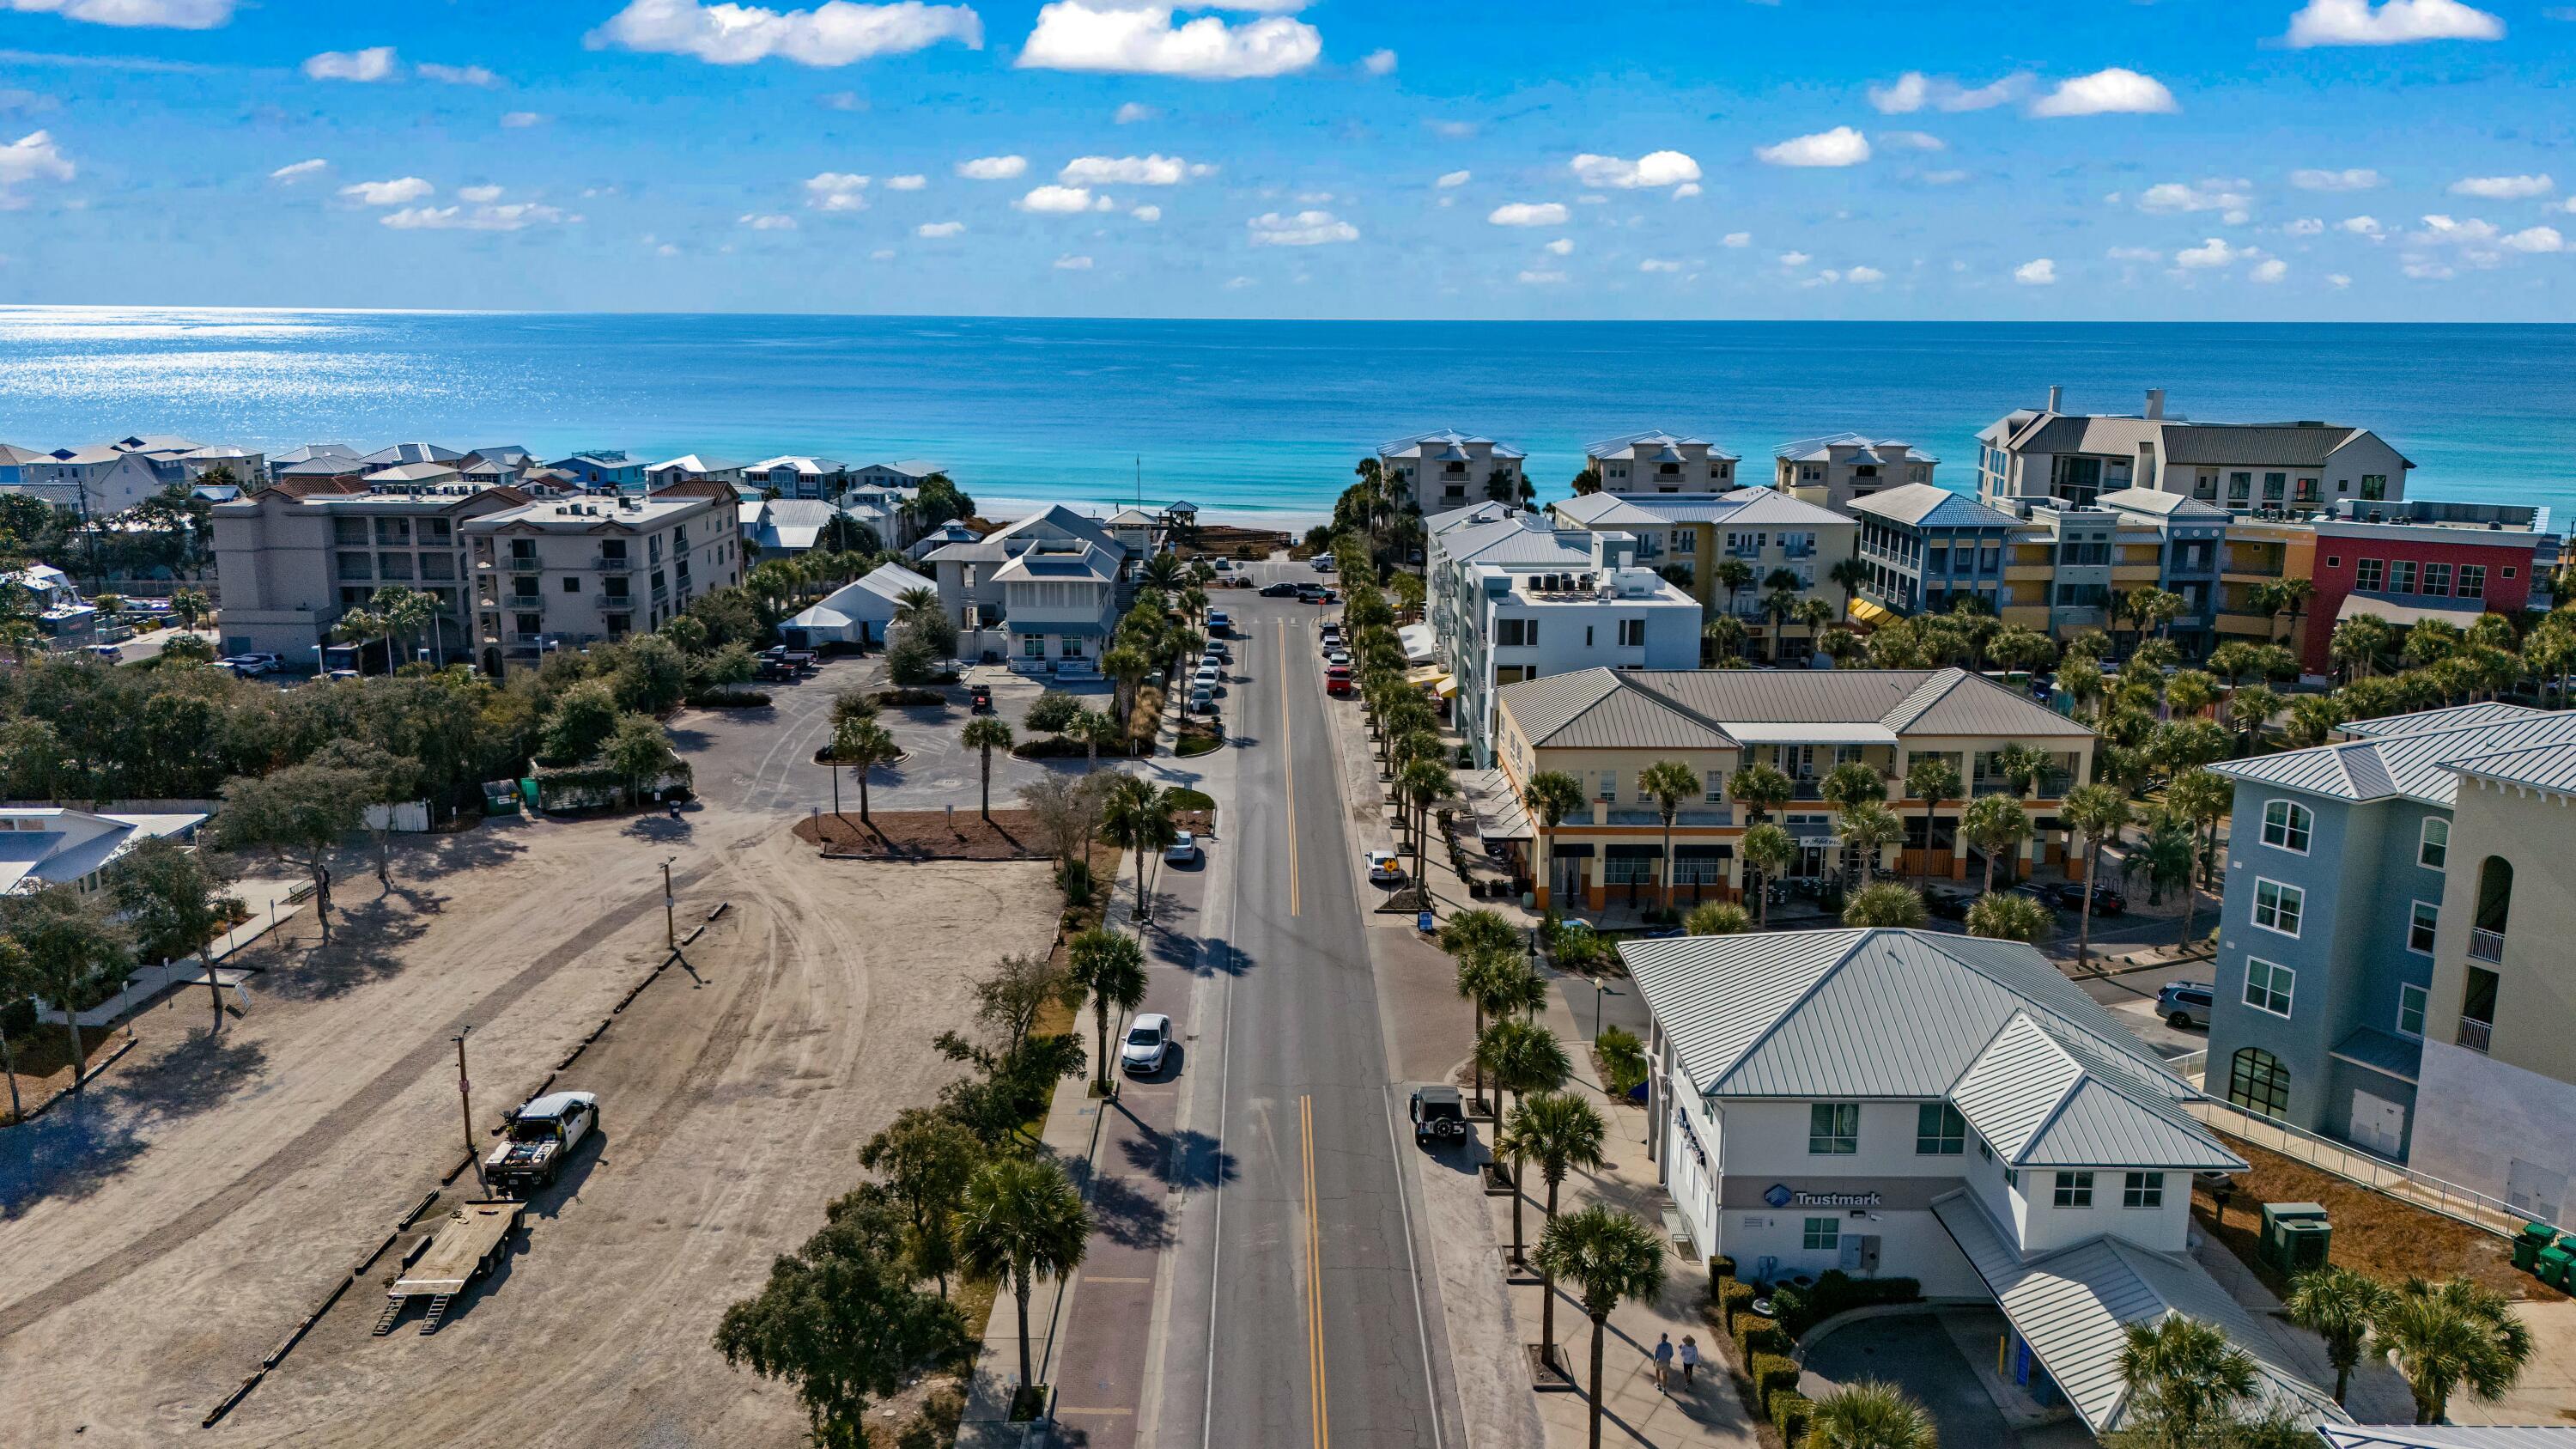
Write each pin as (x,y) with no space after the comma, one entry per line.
(465,1099)
(670,916)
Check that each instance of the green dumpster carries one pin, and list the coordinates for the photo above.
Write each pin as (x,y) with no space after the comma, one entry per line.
(2555,1264)
(2296,1236)
(2528,1243)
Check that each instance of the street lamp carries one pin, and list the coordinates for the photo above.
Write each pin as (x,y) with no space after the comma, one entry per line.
(670,916)
(465,1098)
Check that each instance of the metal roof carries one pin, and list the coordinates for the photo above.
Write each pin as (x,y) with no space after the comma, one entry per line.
(2447,1436)
(1816,450)
(1733,508)
(2408,610)
(1082,560)
(2382,1052)
(2162,504)
(1716,708)
(2455,717)
(2074,1308)
(1422,444)
(1636,445)
(1925,505)
(2045,1097)
(1434,525)
(2546,767)
(2414,765)
(1590,713)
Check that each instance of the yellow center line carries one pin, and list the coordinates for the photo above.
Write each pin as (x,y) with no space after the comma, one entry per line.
(1288,769)
(1314,1280)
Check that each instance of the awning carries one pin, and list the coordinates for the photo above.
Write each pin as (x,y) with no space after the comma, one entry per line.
(1426,674)
(1498,810)
(1564,851)
(1446,688)
(2383,1052)
(1636,852)
(2408,610)
(1871,614)
(1421,646)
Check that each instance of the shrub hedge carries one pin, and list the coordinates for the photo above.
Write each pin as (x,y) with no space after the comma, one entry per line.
(1756,1335)
(1790,1411)
(1733,1298)
(1772,1375)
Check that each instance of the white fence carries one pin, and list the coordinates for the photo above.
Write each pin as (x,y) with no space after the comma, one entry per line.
(411,818)
(2462,1204)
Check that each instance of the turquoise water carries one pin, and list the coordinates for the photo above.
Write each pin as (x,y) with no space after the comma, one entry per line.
(1249,417)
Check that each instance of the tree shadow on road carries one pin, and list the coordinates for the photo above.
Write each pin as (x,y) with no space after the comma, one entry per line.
(365,947)
(68,1153)
(427,857)
(197,1074)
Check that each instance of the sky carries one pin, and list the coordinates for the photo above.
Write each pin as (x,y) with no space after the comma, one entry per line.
(2200,160)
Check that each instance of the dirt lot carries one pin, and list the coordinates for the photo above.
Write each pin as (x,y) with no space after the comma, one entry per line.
(167,1233)
(925,835)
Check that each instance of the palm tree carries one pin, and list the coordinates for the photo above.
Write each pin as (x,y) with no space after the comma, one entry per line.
(2251,708)
(2095,812)
(2010,918)
(1779,605)
(1767,850)
(1138,820)
(1096,728)
(2450,1336)
(1869,1414)
(1112,968)
(2022,765)
(1717,918)
(1485,979)
(2312,718)
(1423,784)
(862,745)
(1869,828)
(1020,1219)
(1559,1132)
(2185,1381)
(1887,904)
(1761,789)
(1551,795)
(1816,614)
(984,735)
(1930,779)
(2338,1305)
(1524,1057)
(1994,824)
(1852,782)
(1670,782)
(1127,666)
(1851,576)
(1733,575)
(1724,634)
(1611,1258)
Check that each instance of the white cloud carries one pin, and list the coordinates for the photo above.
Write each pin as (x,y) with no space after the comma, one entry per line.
(1863,276)
(2472,232)
(2537,239)
(297,171)
(2112,92)
(2148,255)
(2230,197)
(1841,146)
(2338,280)
(1656,168)
(2040,273)
(1541,279)
(1100,35)
(1237,284)
(1058,200)
(2307,226)
(1134,111)
(1529,213)
(2272,269)
(936,229)
(387,193)
(1794,260)
(768,221)
(456,75)
(1147,213)
(993,168)
(1073,264)
(521,120)
(2425,269)
(1686,189)
(33,157)
(2358,178)
(842,101)
(1913,91)
(1453,130)
(1737,239)
(516,216)
(1652,264)
(1379,62)
(166,14)
(2214,252)
(373,64)
(2504,188)
(1914,140)
(479,195)
(836,191)
(1942,178)
(834,33)
(1304,229)
(1129,170)
(1562,247)
(882,254)
(2360,225)
(907,183)
(2395,22)
(1451,180)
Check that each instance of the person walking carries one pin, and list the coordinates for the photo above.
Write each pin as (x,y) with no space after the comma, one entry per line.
(1663,1360)
(1690,1358)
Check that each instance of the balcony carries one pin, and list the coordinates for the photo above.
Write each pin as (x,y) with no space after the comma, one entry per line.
(612,564)
(1689,817)
(2475,1034)
(2486,946)
(527,565)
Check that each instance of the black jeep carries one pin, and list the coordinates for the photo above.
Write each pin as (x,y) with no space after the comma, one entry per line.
(1439,1117)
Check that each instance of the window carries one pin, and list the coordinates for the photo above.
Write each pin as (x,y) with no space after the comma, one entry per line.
(1513,633)
(2410,1011)
(2374,487)
(2268,986)
(2473,581)
(2240,487)
(1632,633)
(1833,1128)
(2370,575)
(1033,646)
(2437,580)
(2142,1190)
(2286,824)
(572,583)
(531,624)
(2257,1082)
(2277,906)
(1939,1130)
(1823,1235)
(2434,850)
(1610,786)
(2401,580)
(2421,923)
(2074,1190)
(1686,540)
(2274,484)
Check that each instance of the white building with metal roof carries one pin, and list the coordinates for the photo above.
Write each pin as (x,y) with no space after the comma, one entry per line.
(1944,1108)
(1448,469)
(1832,470)
(1656,461)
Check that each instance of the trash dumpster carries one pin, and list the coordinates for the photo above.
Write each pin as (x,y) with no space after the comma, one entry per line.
(2555,1264)
(2528,1243)
(2296,1236)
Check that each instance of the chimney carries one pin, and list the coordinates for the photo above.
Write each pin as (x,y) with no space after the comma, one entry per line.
(2056,396)
(2155,404)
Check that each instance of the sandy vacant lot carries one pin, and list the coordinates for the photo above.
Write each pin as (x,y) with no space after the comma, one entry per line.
(156,1243)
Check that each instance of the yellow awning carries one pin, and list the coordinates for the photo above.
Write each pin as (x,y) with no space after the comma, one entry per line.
(1871,614)
(1444,687)
(1425,674)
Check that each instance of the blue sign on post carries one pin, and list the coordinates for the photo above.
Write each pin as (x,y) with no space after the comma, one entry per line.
(1422,923)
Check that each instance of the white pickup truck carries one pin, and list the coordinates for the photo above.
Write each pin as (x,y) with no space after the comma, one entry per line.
(542,1135)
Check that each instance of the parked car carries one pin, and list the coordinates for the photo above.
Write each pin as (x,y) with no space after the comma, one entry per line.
(251,666)
(979,700)
(2185,1003)
(112,653)
(1337,655)
(2068,895)
(1208,678)
(1281,590)
(1148,1043)
(1219,623)
(1222,565)
(1323,563)
(1337,679)
(1184,849)
(1384,868)
(1217,650)
(1949,902)
(542,1135)
(1310,593)
(1439,1117)
(1202,699)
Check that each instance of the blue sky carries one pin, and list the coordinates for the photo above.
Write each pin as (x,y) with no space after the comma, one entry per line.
(2183,159)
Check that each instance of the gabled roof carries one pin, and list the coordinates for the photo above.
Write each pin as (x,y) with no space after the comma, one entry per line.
(1909,701)
(803,467)
(693,463)
(2162,504)
(1737,506)
(1817,450)
(1436,524)
(412,473)
(311,451)
(1069,561)
(2446,1436)
(401,453)
(1584,711)
(1648,444)
(1927,505)
(1606,510)
(13,456)
(2545,767)
(902,467)
(2392,762)
(1428,445)
(2458,716)
(1134,518)
(2043,1096)
(1523,538)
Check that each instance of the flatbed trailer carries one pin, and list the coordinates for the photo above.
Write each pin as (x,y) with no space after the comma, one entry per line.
(474,1237)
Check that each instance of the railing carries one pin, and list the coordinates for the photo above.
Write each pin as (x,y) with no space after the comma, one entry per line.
(2476,1035)
(1686,818)
(2487,945)
(2353,1165)
(527,565)
(2190,1066)
(1807,789)
(608,563)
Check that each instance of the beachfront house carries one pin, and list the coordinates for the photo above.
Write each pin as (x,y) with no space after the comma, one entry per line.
(1832,470)
(969,571)
(1449,469)
(2297,468)
(1661,462)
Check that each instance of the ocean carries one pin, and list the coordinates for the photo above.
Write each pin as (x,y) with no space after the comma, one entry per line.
(1258,421)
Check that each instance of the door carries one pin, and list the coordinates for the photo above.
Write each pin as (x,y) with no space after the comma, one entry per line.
(1566,891)
(2378,1125)
(2535,1189)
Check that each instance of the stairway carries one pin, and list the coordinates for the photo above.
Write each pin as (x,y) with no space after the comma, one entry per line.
(437,1311)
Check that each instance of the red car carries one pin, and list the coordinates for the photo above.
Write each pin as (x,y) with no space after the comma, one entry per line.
(1337,679)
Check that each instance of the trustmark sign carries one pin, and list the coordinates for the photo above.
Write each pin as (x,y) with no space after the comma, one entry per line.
(1781,1195)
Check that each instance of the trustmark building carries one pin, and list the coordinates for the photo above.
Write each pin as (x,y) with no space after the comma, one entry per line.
(1953,1110)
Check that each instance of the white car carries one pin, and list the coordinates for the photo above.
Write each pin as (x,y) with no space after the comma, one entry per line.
(1147,1044)
(1337,656)
(1384,868)
(1323,563)
(1184,849)
(251,666)
(1202,699)
(1207,677)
